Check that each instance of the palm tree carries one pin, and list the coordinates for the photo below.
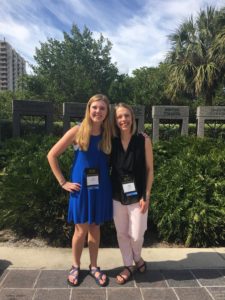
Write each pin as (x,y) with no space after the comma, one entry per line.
(194,67)
(217,51)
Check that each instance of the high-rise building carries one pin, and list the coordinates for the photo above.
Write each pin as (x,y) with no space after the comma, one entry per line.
(12,65)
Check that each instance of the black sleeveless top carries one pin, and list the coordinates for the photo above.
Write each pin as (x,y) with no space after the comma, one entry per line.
(132,163)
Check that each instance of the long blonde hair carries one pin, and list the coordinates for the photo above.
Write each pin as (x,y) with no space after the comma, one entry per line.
(84,132)
(115,128)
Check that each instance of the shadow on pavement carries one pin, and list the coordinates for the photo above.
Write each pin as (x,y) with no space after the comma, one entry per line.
(195,260)
(4,264)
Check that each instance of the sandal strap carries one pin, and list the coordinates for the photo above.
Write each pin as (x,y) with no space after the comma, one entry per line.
(141,266)
(129,270)
(93,271)
(97,270)
(123,278)
(100,275)
(74,271)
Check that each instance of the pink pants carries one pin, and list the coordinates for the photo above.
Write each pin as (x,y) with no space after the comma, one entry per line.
(130,226)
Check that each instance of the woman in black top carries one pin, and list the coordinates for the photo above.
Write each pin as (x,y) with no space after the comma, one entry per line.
(132,178)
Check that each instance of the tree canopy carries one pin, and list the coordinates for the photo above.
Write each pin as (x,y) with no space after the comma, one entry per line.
(80,65)
(194,64)
(75,68)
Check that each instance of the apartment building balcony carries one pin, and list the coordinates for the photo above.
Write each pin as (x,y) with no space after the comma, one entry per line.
(3,79)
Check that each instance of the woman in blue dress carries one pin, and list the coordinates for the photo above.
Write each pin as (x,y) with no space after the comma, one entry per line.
(90,202)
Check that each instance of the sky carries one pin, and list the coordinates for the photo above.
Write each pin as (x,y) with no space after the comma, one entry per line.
(138,29)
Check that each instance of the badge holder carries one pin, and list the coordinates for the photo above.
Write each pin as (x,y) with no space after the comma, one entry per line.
(129,186)
(92,178)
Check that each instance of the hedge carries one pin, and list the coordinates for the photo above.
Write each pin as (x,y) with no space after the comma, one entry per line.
(187,203)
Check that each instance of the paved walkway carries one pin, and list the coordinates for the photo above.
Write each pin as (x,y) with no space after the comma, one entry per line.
(173,273)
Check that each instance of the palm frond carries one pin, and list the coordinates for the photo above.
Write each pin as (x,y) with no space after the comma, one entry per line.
(197,55)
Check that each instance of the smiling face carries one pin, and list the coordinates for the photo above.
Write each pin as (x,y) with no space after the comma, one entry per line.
(98,111)
(123,119)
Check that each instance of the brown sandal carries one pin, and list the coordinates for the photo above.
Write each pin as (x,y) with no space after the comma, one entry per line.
(125,279)
(142,268)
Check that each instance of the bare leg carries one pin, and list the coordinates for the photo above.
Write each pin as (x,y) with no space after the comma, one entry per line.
(93,244)
(80,232)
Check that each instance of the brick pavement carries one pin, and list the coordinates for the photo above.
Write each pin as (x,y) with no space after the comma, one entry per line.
(185,284)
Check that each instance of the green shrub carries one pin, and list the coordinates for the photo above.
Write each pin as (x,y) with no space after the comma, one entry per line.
(170,131)
(188,197)
(32,203)
(148,129)
(28,128)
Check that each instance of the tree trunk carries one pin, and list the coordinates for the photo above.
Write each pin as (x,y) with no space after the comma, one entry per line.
(209,97)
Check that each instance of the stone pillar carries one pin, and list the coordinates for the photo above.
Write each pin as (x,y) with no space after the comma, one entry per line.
(139,111)
(155,130)
(16,123)
(184,127)
(72,110)
(32,108)
(201,127)
(168,112)
(49,123)
(208,113)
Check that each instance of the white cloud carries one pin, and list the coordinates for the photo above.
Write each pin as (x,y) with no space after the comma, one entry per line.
(139,37)
(26,32)
(143,40)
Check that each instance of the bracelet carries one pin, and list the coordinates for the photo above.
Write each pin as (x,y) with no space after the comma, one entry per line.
(62,184)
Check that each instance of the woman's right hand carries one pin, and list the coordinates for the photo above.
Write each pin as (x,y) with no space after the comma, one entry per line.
(71,186)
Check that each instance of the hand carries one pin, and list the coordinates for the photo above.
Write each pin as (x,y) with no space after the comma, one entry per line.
(144,205)
(71,186)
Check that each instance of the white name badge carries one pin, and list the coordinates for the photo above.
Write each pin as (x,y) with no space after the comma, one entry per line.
(129,187)
(92,180)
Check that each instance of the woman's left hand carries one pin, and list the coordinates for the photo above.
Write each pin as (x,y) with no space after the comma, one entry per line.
(144,205)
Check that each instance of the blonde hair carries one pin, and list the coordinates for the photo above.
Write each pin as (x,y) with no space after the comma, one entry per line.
(84,132)
(115,128)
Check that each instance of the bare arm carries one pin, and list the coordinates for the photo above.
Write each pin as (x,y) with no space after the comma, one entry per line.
(67,140)
(149,174)
(149,166)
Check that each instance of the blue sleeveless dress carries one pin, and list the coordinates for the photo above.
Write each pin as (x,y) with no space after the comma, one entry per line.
(90,205)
